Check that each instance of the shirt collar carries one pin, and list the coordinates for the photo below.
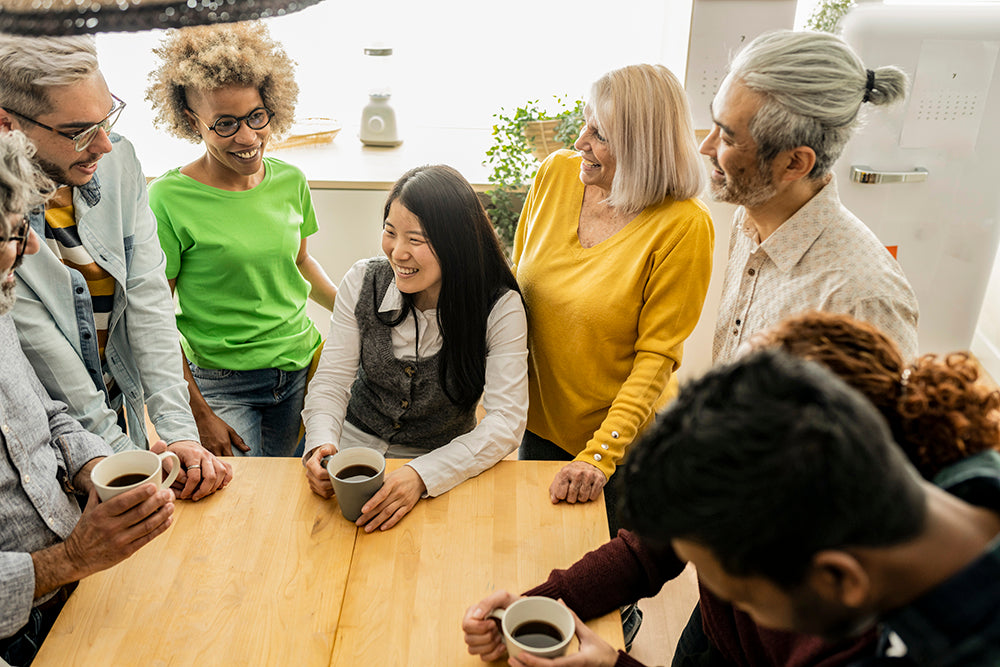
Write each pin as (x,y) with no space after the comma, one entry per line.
(392,301)
(795,236)
(91,191)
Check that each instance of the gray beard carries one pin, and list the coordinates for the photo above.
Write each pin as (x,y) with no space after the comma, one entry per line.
(7,298)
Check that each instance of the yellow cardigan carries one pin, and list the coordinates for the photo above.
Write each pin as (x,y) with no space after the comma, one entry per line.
(607,324)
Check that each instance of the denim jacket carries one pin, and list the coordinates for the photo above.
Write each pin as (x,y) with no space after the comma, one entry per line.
(55,321)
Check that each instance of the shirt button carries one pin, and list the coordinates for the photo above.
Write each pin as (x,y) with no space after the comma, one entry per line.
(597,457)
(751,272)
(6,428)
(86,335)
(737,322)
(604,446)
(614,434)
(736,332)
(27,479)
(79,290)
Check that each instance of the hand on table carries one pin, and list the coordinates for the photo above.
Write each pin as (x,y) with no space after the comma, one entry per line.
(319,478)
(201,474)
(577,482)
(482,633)
(400,492)
(109,532)
(217,436)
(594,652)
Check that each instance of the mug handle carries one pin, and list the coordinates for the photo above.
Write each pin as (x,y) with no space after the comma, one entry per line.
(174,469)
(498,614)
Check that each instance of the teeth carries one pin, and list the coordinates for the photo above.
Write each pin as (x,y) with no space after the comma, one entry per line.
(246,154)
(405,271)
(591,164)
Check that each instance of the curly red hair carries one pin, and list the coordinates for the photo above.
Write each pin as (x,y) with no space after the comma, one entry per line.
(937,407)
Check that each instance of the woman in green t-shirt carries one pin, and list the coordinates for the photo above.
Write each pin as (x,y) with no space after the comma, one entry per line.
(233,226)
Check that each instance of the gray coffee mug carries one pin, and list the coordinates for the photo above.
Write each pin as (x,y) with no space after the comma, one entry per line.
(353,482)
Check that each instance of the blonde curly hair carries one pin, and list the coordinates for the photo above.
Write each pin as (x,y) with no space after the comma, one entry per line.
(213,56)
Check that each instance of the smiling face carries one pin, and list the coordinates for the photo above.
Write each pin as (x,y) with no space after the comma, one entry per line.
(737,177)
(414,263)
(598,165)
(240,156)
(75,107)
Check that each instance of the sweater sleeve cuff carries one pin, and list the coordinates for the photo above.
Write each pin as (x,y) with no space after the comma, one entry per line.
(548,589)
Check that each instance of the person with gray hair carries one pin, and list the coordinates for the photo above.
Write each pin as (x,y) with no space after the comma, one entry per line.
(95,317)
(46,456)
(781,118)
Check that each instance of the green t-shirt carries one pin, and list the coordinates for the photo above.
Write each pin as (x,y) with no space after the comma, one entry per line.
(241,301)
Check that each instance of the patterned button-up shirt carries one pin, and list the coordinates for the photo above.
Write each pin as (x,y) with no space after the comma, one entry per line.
(42,448)
(821,258)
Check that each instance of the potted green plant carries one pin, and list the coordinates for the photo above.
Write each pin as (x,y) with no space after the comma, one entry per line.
(520,141)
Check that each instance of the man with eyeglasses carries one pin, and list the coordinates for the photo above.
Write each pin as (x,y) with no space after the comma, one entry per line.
(95,317)
(46,456)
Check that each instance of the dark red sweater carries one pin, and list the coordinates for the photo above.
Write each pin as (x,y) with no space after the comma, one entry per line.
(624,570)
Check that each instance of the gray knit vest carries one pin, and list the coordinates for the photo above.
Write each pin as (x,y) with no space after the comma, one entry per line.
(399,401)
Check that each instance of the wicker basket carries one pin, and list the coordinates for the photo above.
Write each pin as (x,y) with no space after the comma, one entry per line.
(541,137)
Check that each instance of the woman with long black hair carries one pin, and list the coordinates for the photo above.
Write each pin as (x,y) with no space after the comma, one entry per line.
(416,338)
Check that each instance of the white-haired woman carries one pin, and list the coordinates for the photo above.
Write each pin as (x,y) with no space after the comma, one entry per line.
(613,254)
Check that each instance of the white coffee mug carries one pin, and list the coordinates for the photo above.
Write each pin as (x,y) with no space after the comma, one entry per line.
(125,471)
(536,625)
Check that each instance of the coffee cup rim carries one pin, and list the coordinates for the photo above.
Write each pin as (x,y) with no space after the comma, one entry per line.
(568,617)
(99,477)
(367,456)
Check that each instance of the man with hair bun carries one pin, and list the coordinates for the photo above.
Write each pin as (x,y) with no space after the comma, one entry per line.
(782,117)
(94,315)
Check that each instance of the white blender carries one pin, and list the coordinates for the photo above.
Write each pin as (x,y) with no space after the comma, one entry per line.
(378,118)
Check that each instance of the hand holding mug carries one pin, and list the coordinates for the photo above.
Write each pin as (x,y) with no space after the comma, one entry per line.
(482,632)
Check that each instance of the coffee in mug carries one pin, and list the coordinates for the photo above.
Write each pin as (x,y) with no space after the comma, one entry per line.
(536,625)
(125,471)
(357,474)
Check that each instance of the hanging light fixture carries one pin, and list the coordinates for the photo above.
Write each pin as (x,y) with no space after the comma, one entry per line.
(76,17)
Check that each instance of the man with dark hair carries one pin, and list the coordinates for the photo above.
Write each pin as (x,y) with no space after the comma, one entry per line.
(784,488)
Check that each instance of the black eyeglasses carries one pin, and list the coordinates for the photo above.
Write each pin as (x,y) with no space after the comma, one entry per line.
(227,126)
(85,137)
(19,236)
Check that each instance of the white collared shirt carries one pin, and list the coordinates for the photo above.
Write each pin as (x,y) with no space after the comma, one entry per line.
(822,258)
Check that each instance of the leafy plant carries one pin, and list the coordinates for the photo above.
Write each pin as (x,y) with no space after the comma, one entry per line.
(512,162)
(827,14)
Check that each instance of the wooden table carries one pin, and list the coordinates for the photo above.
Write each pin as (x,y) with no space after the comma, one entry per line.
(266,573)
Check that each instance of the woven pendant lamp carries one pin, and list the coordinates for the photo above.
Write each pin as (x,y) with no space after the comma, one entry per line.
(76,17)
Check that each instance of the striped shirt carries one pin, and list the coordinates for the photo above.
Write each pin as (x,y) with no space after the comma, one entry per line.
(63,238)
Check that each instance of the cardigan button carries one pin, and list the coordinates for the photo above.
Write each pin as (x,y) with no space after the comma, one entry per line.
(404,404)
(604,446)
(397,426)
(614,434)
(597,457)
(409,370)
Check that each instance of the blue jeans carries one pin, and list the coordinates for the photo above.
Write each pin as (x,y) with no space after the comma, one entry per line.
(263,406)
(536,448)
